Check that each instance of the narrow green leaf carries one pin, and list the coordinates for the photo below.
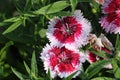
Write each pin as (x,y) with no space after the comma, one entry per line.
(3,51)
(27,68)
(83,76)
(6,46)
(96,67)
(99,53)
(73,4)
(103,78)
(34,69)
(3,24)
(13,19)
(52,8)
(27,5)
(49,74)
(71,76)
(116,68)
(12,27)
(29,14)
(117,46)
(95,6)
(18,74)
(18,6)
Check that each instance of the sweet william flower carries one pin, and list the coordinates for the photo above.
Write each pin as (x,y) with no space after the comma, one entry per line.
(99,1)
(61,61)
(70,31)
(111,21)
(99,43)
(92,57)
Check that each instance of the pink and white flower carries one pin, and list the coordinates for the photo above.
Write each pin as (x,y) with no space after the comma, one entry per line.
(61,61)
(92,57)
(100,43)
(111,21)
(70,31)
(99,1)
(111,6)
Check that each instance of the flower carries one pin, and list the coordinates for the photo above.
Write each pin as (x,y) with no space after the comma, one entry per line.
(99,1)
(111,6)
(100,42)
(111,21)
(70,31)
(61,61)
(92,57)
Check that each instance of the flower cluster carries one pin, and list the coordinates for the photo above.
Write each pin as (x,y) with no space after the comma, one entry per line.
(66,35)
(69,33)
(111,21)
(99,44)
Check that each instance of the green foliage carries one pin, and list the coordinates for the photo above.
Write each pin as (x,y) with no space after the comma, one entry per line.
(116,68)
(71,76)
(52,8)
(103,78)
(32,72)
(96,67)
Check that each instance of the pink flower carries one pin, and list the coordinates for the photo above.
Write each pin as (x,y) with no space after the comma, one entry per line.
(61,61)
(99,43)
(92,57)
(111,6)
(70,31)
(99,1)
(111,21)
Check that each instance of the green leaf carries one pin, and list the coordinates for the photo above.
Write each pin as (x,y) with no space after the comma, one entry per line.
(95,6)
(3,24)
(61,13)
(96,67)
(18,74)
(27,68)
(103,78)
(71,76)
(13,19)
(117,44)
(18,6)
(28,5)
(52,8)
(83,76)
(49,74)
(12,27)
(6,46)
(34,69)
(116,68)
(22,35)
(73,4)
(10,20)
(4,50)
(99,53)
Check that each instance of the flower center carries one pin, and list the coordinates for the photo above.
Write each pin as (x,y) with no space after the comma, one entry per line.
(63,57)
(69,29)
